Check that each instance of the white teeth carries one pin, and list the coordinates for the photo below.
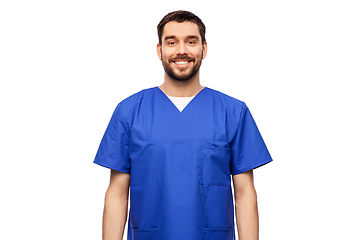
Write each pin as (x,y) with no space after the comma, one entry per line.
(181,63)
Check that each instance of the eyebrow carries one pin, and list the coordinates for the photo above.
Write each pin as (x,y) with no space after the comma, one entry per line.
(173,37)
(169,37)
(194,37)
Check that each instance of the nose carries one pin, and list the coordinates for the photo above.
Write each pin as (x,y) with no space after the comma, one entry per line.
(181,49)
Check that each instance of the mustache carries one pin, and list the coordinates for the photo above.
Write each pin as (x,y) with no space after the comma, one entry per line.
(183,58)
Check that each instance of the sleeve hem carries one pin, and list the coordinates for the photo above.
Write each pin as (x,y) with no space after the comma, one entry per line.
(249,168)
(113,168)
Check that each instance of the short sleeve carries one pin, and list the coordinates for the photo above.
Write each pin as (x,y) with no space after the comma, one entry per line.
(248,149)
(113,151)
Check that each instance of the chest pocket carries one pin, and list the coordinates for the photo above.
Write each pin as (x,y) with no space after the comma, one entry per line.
(215,166)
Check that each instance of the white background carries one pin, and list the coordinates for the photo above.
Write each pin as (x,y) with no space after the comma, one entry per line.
(64,66)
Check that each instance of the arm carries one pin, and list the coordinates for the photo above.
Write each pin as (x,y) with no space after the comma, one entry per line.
(116,206)
(246,210)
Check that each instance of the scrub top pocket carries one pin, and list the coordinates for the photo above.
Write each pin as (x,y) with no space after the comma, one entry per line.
(215,166)
(145,234)
(218,234)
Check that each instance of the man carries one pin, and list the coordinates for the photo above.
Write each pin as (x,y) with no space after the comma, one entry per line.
(180,143)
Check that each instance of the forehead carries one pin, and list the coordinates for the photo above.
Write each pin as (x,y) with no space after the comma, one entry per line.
(181,30)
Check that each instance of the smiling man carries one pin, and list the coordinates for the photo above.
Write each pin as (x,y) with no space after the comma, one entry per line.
(176,147)
(181,50)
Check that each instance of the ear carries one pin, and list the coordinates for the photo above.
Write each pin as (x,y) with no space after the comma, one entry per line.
(204,48)
(158,50)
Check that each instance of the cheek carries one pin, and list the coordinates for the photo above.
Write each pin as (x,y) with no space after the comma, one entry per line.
(166,52)
(197,53)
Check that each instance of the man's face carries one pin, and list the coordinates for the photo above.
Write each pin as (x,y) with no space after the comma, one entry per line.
(181,51)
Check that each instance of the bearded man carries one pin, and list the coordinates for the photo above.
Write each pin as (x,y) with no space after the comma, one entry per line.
(176,147)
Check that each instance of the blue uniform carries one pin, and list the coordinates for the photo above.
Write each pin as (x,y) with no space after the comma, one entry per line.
(181,162)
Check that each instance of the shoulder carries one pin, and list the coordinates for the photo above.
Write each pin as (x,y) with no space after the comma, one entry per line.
(129,104)
(229,102)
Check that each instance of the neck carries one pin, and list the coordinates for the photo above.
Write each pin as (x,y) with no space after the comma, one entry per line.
(176,88)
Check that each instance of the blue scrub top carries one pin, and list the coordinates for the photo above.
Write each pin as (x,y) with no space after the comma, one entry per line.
(181,162)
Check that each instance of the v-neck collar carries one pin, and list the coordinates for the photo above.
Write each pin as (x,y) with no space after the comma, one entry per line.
(187,106)
(180,102)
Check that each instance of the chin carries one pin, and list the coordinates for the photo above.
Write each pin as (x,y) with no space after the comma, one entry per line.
(180,77)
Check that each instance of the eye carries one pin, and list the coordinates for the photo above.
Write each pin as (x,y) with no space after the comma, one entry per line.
(171,43)
(191,42)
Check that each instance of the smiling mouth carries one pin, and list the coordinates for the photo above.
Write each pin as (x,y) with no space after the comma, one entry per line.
(182,62)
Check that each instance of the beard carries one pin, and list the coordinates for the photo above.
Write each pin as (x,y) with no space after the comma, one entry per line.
(182,74)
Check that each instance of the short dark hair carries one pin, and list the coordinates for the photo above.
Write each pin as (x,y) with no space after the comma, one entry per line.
(181,16)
